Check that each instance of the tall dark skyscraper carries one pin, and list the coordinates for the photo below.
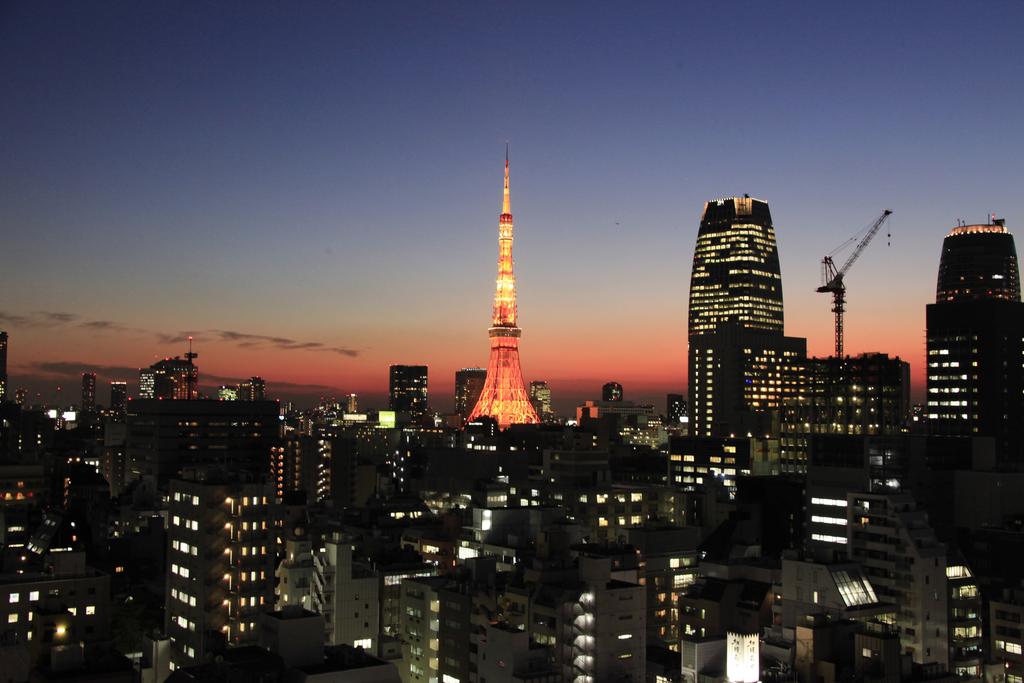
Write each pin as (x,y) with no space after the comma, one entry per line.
(540,397)
(118,398)
(742,367)
(3,366)
(976,340)
(408,389)
(88,392)
(675,409)
(469,382)
(611,391)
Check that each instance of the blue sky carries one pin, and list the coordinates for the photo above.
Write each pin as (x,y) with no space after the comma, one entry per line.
(331,172)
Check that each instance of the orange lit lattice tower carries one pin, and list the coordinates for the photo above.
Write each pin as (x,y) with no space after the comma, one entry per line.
(504,396)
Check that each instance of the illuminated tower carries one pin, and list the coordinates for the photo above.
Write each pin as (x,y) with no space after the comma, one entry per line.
(504,396)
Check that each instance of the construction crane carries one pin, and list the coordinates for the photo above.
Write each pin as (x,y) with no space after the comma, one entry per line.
(832,279)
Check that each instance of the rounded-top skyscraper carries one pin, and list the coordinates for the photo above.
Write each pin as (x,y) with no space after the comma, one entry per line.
(736,275)
(976,341)
(978,262)
(742,366)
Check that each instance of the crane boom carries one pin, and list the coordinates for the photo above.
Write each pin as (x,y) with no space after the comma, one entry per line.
(832,278)
(864,242)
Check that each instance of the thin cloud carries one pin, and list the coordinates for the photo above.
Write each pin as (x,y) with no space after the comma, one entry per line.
(248,340)
(71,368)
(37,318)
(105,326)
(15,319)
(56,318)
(245,340)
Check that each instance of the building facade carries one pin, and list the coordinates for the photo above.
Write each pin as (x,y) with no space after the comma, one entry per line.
(976,341)
(220,554)
(469,382)
(88,404)
(742,367)
(540,397)
(407,390)
(166,436)
(611,391)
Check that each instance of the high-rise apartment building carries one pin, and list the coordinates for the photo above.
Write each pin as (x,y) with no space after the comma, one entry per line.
(540,397)
(118,399)
(742,367)
(976,340)
(889,535)
(3,366)
(611,391)
(88,404)
(220,557)
(469,382)
(407,389)
(347,593)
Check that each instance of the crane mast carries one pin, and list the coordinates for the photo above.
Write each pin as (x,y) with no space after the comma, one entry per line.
(832,278)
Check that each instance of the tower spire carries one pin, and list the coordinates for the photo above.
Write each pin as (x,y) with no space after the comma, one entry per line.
(504,396)
(506,204)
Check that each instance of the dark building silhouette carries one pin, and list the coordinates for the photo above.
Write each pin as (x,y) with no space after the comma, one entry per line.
(408,389)
(88,392)
(166,437)
(867,394)
(742,367)
(118,398)
(469,382)
(3,366)
(540,397)
(976,341)
(611,391)
(675,409)
(253,389)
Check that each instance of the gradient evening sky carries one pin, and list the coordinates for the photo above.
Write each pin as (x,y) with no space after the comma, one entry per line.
(267,175)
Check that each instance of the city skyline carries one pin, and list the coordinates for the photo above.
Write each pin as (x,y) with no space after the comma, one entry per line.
(760,266)
(206,203)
